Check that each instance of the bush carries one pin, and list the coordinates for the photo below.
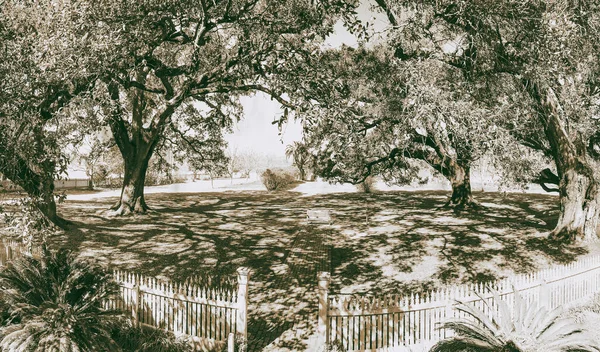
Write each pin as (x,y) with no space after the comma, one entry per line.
(25,222)
(525,327)
(137,339)
(277,179)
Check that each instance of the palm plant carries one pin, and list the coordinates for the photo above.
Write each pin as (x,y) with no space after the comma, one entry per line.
(56,303)
(528,327)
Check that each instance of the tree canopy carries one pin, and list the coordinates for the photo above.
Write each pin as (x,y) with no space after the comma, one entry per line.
(386,114)
(541,51)
(184,67)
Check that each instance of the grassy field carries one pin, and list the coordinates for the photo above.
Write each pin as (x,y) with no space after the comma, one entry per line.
(380,242)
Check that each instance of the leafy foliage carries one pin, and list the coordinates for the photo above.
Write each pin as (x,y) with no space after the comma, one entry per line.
(56,303)
(131,338)
(26,223)
(184,67)
(526,327)
(392,116)
(300,156)
(514,53)
(48,55)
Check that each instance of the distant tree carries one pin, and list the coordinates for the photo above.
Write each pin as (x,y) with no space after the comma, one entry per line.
(386,117)
(233,162)
(301,159)
(248,162)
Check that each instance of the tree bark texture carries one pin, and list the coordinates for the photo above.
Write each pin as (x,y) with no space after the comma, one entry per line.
(578,183)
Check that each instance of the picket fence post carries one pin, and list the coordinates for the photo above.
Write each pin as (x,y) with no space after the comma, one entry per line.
(242,304)
(230,343)
(135,307)
(323,293)
(544,295)
(9,253)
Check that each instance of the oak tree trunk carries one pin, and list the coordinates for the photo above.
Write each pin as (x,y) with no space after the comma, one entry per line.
(578,185)
(47,206)
(136,144)
(579,207)
(453,162)
(38,185)
(459,176)
(132,193)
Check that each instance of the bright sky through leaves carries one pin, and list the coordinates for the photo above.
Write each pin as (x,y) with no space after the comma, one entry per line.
(256,131)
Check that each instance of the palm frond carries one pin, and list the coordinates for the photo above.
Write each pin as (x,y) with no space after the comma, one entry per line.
(57,304)
(525,327)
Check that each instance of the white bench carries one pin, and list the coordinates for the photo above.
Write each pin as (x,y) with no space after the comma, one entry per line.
(322,216)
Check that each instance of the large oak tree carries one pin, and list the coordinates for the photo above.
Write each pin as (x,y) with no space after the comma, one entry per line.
(49,54)
(155,72)
(202,56)
(383,114)
(547,51)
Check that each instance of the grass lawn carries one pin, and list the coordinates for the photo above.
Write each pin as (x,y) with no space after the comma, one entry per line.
(380,242)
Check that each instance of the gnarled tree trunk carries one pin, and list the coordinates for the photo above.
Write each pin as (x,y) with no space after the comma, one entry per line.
(579,207)
(136,144)
(132,192)
(456,167)
(578,186)
(460,179)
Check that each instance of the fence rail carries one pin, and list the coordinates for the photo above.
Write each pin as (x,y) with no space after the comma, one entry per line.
(207,316)
(371,323)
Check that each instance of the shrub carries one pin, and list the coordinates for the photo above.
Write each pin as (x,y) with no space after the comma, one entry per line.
(528,327)
(56,303)
(335,346)
(137,339)
(277,179)
(25,222)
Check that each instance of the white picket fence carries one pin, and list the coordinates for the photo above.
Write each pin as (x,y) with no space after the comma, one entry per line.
(207,317)
(363,323)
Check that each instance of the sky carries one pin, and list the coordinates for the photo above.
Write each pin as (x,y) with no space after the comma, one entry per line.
(255,132)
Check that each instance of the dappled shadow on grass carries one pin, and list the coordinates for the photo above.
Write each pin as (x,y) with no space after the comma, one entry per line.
(388,242)
(412,242)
